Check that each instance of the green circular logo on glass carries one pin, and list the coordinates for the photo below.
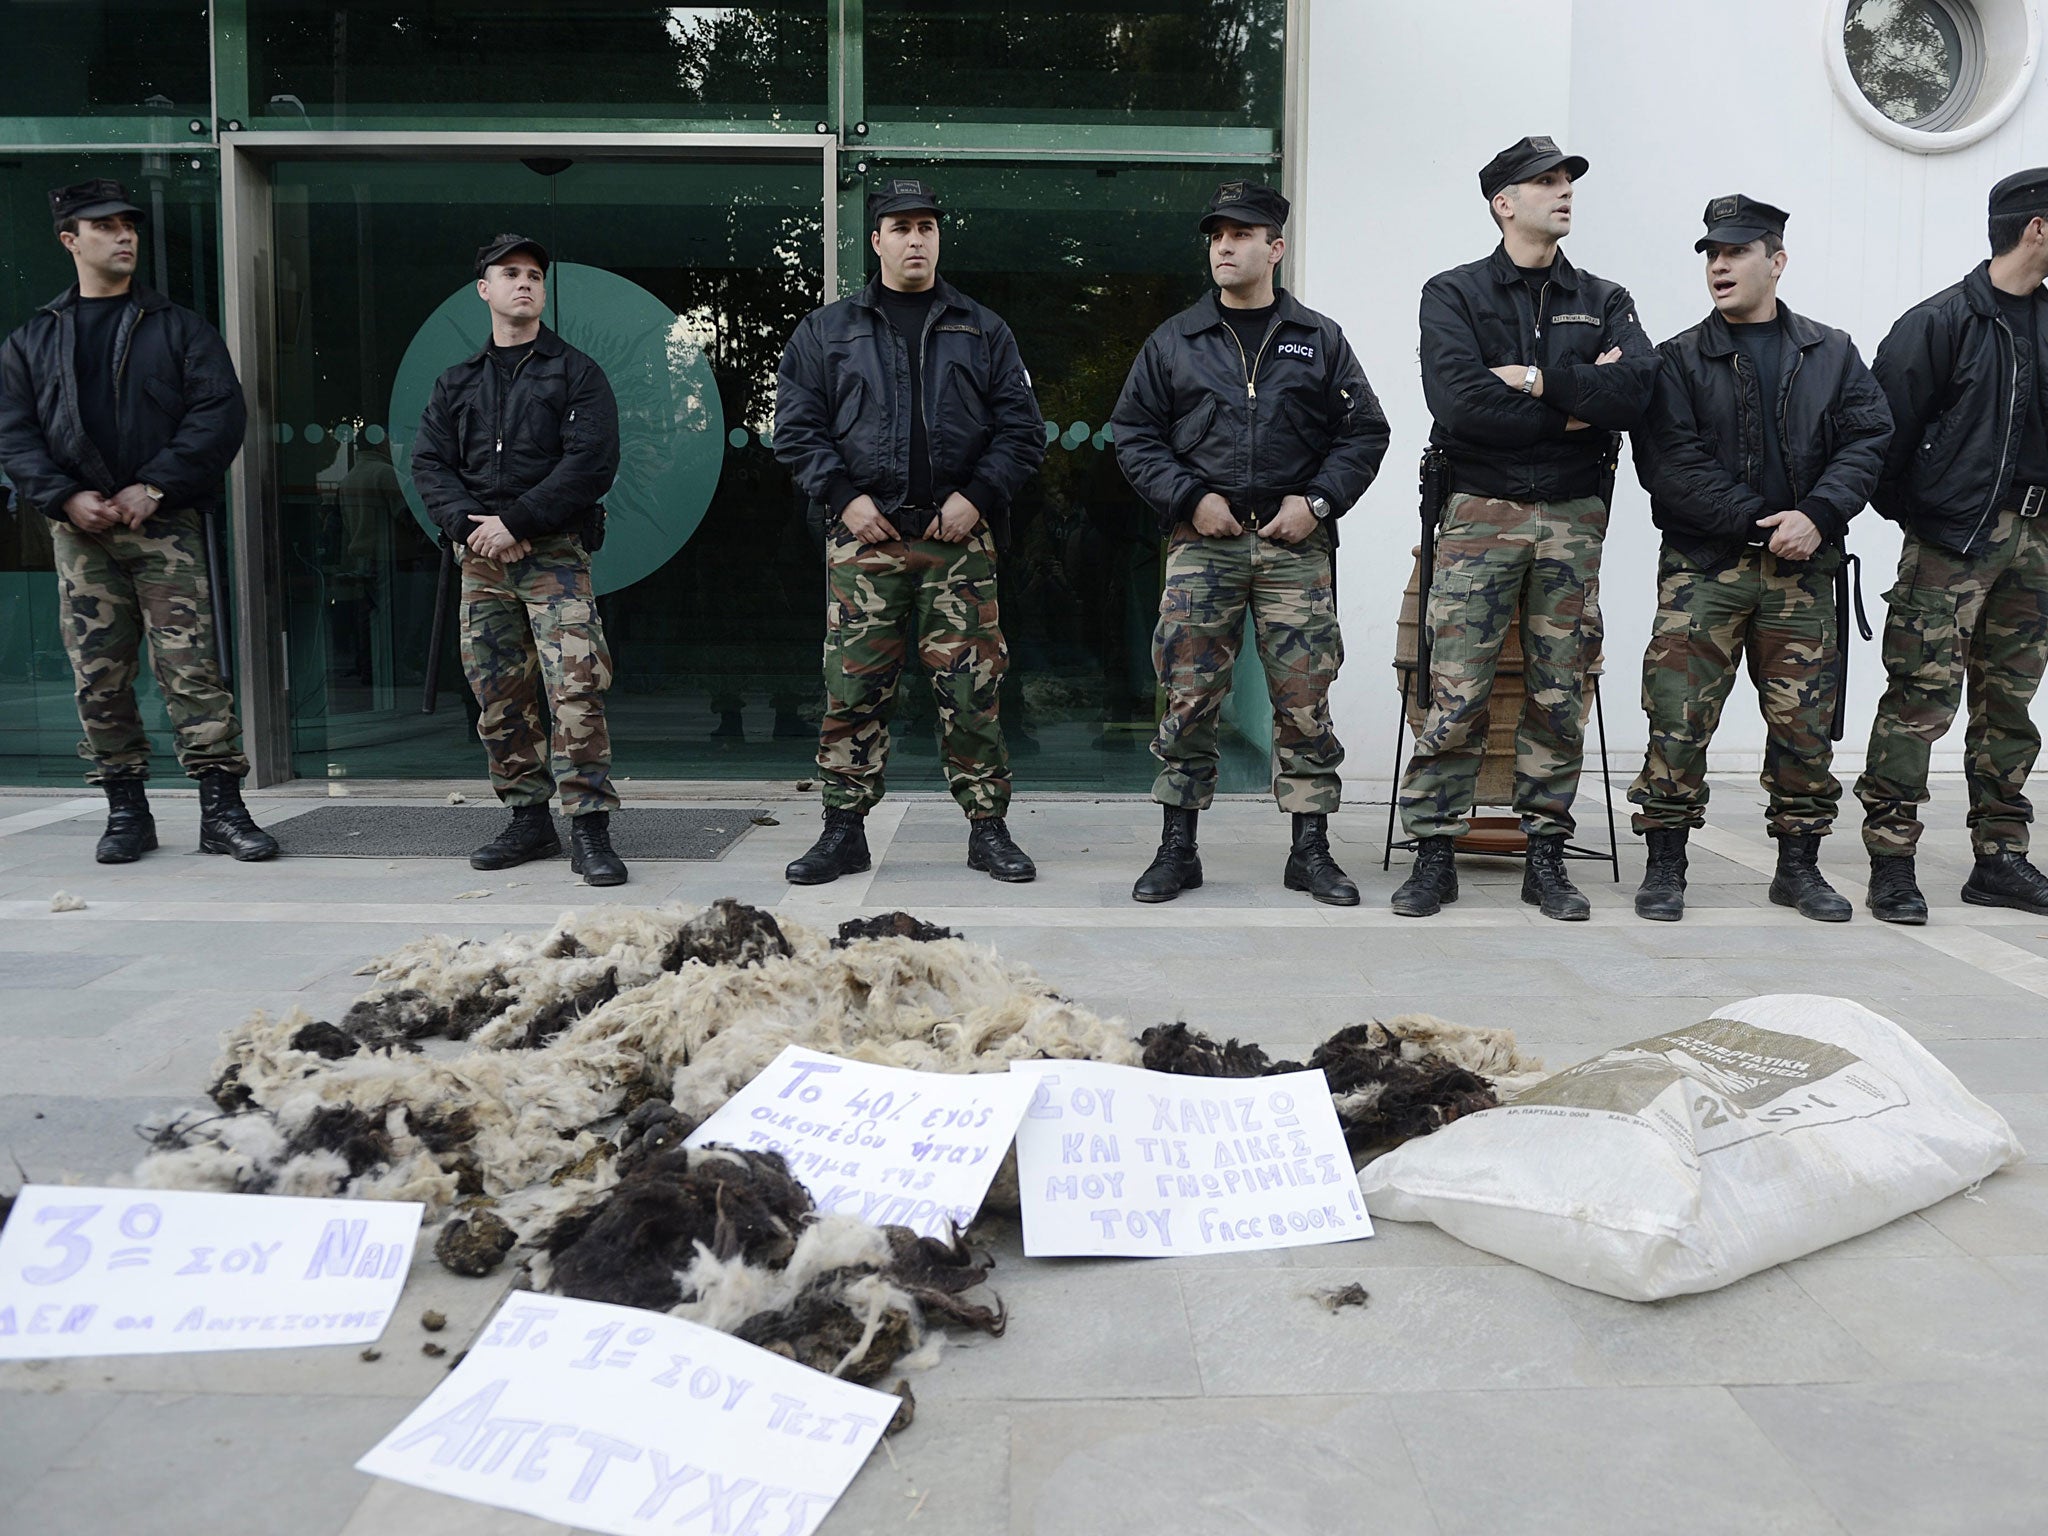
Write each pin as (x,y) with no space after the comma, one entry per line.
(671,425)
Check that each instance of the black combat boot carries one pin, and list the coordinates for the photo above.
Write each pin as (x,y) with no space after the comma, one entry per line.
(841,849)
(991,849)
(1310,867)
(1546,885)
(1800,883)
(531,835)
(590,850)
(1893,895)
(131,830)
(2007,880)
(1661,896)
(224,824)
(1177,866)
(1433,883)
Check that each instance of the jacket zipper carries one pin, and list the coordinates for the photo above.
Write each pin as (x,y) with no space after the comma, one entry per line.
(1535,359)
(924,399)
(1251,393)
(2012,407)
(1784,401)
(498,448)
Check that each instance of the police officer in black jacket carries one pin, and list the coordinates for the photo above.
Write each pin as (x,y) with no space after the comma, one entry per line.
(1531,368)
(516,450)
(119,414)
(906,414)
(1764,439)
(1966,372)
(1248,425)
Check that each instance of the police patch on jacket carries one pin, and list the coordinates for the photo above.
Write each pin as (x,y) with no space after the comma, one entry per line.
(1295,349)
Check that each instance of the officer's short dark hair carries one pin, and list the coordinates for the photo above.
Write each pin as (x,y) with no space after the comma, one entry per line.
(2006,229)
(68,227)
(1773,243)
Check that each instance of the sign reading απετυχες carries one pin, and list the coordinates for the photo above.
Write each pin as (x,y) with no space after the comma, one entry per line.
(609,1418)
(158,1272)
(1118,1160)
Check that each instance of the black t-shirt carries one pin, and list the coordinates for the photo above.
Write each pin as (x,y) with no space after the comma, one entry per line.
(509,358)
(908,312)
(98,323)
(1250,327)
(2021,313)
(1762,346)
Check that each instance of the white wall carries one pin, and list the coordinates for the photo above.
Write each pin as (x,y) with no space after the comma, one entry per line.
(1672,105)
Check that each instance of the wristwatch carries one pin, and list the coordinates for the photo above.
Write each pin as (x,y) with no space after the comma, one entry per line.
(1320,507)
(153,492)
(1529,380)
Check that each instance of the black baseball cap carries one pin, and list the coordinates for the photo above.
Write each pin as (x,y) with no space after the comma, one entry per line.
(1525,160)
(1244,202)
(902,194)
(2022,192)
(498,247)
(96,199)
(1737,220)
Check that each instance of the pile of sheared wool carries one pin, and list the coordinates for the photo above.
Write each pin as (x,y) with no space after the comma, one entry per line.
(613,1011)
(561,1072)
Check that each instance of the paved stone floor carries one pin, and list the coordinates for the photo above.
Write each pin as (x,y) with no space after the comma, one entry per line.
(1896,1383)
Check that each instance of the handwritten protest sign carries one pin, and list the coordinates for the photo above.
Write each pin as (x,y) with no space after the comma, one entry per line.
(609,1418)
(910,1149)
(158,1272)
(1117,1160)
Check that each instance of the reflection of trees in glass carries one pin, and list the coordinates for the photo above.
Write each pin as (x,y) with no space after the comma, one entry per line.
(1905,55)
(1211,61)
(610,56)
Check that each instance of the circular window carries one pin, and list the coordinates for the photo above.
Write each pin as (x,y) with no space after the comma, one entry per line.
(1932,75)
(1916,61)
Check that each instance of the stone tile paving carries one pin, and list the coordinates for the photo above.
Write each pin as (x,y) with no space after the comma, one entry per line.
(1894,1383)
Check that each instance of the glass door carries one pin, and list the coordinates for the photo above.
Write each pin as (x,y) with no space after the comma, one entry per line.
(683,278)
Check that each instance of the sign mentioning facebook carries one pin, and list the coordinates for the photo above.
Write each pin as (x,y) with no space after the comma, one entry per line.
(891,1146)
(1118,1160)
(609,1418)
(159,1272)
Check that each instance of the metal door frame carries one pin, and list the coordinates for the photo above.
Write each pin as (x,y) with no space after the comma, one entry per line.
(248,259)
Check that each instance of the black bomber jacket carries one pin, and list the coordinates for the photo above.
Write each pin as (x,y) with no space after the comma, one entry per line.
(842,406)
(1298,418)
(176,397)
(1499,441)
(1957,381)
(1700,454)
(539,452)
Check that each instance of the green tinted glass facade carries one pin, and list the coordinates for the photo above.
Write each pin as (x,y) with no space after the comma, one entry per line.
(324,173)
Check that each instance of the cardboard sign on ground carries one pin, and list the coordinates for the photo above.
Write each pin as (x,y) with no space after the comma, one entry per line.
(609,1418)
(1120,1161)
(157,1272)
(909,1149)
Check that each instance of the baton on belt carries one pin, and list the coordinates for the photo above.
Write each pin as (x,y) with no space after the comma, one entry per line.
(430,695)
(1434,481)
(222,650)
(1848,583)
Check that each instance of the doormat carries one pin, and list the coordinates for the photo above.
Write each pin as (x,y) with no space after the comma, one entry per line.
(454,832)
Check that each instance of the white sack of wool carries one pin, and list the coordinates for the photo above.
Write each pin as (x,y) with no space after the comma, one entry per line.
(1688,1160)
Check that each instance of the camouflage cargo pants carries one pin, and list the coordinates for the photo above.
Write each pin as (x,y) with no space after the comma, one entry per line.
(877,594)
(116,589)
(1288,590)
(531,636)
(1491,555)
(1953,618)
(1779,617)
